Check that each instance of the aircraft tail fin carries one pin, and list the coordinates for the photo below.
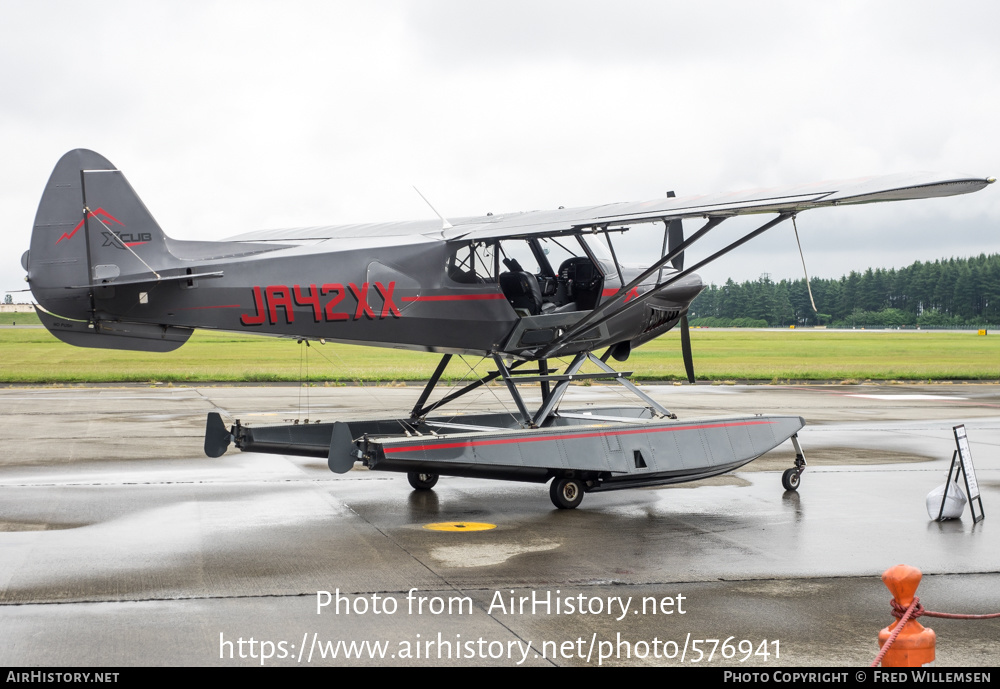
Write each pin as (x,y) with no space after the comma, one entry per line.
(92,232)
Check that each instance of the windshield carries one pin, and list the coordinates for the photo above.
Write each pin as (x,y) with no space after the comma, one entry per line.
(598,246)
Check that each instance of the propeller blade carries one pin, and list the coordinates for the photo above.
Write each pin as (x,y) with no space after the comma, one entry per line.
(675,237)
(686,348)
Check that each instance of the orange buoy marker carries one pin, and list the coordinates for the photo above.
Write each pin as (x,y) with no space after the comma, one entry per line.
(913,645)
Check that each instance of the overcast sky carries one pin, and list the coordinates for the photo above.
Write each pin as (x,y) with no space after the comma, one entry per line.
(228,117)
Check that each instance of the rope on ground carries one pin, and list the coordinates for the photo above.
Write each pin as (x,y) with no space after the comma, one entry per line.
(898,610)
(895,632)
(914,611)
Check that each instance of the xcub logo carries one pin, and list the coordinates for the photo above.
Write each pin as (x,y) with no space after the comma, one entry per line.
(120,240)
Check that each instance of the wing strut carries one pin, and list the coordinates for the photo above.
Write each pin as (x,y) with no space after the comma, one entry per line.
(595,316)
(600,315)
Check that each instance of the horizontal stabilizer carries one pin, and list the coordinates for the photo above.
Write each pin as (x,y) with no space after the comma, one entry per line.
(148,279)
(137,337)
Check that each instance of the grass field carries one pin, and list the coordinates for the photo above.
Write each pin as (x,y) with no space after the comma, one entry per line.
(22,318)
(34,356)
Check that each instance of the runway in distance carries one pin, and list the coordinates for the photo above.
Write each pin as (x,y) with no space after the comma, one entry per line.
(523,289)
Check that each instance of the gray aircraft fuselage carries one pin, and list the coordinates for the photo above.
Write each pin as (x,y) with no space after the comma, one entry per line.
(98,257)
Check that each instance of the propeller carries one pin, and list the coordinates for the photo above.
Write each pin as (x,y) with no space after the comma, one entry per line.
(675,237)
(686,348)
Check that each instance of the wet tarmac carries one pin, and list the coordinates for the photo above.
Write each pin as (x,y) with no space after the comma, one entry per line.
(122,544)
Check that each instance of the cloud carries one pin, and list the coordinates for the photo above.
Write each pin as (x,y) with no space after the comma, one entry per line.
(228,117)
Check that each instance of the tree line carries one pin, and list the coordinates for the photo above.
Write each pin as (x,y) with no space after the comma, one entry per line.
(949,292)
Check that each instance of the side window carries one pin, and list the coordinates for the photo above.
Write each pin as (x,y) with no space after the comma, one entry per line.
(472,264)
(486,261)
(518,250)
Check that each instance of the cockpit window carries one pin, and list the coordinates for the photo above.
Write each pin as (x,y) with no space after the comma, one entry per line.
(597,244)
(547,275)
(518,251)
(472,263)
(557,251)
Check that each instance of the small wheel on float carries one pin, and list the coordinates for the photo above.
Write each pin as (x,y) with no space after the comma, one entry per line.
(566,493)
(790,479)
(421,481)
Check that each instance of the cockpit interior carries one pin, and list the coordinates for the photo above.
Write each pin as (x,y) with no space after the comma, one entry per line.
(538,275)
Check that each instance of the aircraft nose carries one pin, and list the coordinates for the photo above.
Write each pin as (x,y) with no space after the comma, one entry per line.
(682,291)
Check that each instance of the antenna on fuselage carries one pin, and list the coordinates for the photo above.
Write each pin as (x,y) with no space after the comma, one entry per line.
(445,225)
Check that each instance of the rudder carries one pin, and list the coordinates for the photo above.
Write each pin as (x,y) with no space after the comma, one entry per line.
(90,226)
(91,233)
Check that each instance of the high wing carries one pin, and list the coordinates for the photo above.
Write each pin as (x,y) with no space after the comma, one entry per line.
(790,199)
(774,200)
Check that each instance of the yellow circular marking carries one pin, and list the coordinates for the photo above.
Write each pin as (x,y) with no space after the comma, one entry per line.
(459,526)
